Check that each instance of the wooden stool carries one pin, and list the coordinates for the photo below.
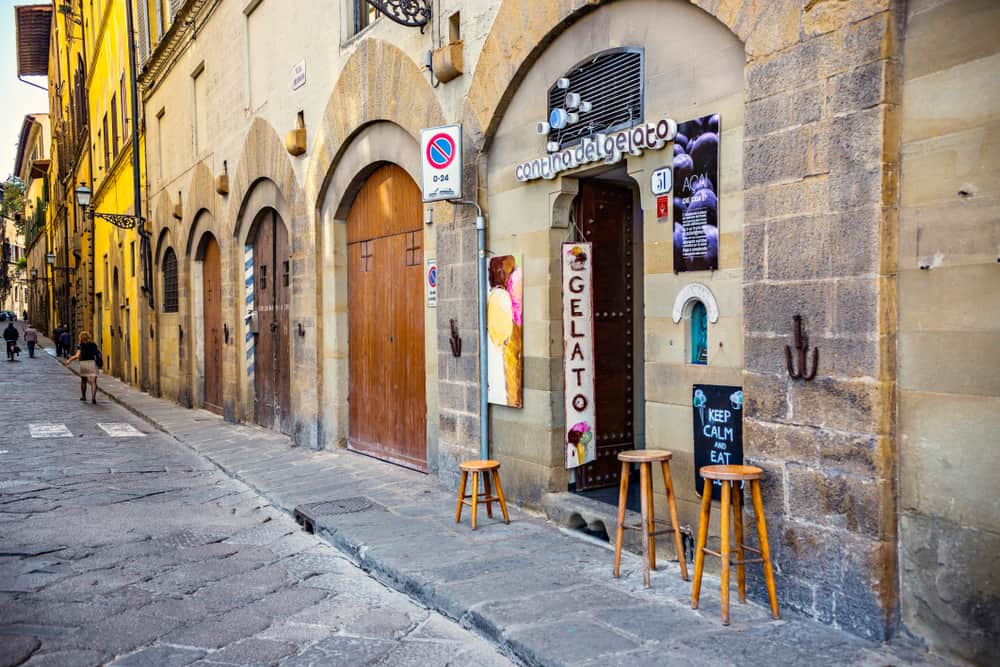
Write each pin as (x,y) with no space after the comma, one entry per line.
(486,468)
(645,458)
(730,476)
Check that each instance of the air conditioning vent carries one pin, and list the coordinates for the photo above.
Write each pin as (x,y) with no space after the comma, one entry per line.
(611,82)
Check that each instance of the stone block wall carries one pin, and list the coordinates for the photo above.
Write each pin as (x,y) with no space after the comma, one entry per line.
(949,327)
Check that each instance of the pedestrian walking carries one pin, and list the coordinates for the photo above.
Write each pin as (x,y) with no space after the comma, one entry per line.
(66,340)
(10,335)
(31,338)
(90,362)
(57,339)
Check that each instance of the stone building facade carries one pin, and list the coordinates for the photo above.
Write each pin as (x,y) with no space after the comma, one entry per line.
(282,163)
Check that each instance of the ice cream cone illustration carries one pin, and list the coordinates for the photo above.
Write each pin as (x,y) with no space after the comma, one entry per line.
(699,402)
(579,260)
(512,367)
(579,436)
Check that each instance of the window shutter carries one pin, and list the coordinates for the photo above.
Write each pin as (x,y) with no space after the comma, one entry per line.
(142,39)
(175,6)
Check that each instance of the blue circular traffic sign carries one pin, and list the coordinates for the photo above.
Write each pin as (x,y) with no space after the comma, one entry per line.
(440,151)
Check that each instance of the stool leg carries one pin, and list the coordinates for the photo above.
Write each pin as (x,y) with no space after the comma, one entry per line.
(699,549)
(500,498)
(741,570)
(475,498)
(486,485)
(651,525)
(668,484)
(644,522)
(620,533)
(765,550)
(724,537)
(461,496)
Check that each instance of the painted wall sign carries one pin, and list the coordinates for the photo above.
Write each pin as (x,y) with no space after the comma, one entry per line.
(661,181)
(441,162)
(696,201)
(718,430)
(299,75)
(578,353)
(431,275)
(607,147)
(505,331)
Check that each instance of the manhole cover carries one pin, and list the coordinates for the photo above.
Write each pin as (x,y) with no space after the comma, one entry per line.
(342,506)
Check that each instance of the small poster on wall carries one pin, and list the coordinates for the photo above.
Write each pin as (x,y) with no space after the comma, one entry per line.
(718,430)
(505,331)
(696,201)
(578,353)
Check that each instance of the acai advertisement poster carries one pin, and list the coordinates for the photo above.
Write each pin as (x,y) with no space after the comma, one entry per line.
(696,201)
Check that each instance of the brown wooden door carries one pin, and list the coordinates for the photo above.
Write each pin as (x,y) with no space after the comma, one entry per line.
(211,284)
(388,407)
(604,215)
(117,347)
(272,355)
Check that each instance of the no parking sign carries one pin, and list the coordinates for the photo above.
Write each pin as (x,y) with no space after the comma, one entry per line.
(441,158)
(431,275)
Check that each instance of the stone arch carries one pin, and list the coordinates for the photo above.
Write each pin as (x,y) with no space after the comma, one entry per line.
(358,99)
(201,191)
(202,222)
(523,29)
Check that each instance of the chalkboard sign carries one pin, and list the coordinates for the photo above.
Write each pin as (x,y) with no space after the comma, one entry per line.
(718,430)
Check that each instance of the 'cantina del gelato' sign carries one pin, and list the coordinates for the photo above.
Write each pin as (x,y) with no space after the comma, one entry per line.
(578,352)
(607,147)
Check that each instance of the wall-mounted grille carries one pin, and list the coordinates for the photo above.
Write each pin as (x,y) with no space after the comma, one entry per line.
(612,82)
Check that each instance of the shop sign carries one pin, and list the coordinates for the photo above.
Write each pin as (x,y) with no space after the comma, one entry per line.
(432,283)
(607,147)
(441,162)
(718,430)
(578,353)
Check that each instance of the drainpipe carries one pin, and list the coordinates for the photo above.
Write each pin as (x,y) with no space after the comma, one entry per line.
(144,244)
(484,418)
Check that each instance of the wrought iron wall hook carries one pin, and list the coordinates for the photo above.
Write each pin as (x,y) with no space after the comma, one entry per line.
(455,340)
(801,342)
(411,13)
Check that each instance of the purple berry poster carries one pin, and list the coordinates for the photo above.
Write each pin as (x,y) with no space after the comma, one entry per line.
(696,200)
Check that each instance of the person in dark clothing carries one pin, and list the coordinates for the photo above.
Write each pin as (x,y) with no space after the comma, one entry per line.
(88,354)
(66,340)
(57,338)
(10,335)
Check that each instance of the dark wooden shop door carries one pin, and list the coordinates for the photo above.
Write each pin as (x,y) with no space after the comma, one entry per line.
(272,354)
(388,407)
(117,347)
(211,284)
(604,215)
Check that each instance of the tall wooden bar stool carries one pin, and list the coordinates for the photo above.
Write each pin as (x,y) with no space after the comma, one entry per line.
(487,469)
(731,476)
(646,458)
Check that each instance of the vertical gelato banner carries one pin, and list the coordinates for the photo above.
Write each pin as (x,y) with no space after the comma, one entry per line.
(505,329)
(578,352)
(696,200)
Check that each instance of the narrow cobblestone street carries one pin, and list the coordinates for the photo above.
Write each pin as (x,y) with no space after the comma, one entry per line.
(129,549)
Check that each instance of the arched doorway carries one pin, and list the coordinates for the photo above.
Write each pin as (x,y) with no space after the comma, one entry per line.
(211,291)
(272,344)
(387,395)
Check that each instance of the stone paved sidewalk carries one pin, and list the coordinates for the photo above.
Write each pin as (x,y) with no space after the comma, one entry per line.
(545,596)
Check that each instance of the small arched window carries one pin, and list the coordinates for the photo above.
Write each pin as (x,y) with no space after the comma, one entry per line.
(169,265)
(699,334)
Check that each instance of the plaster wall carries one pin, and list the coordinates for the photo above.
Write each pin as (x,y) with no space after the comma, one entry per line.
(949,329)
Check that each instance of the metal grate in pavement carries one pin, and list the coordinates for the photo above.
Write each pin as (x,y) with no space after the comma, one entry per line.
(307,513)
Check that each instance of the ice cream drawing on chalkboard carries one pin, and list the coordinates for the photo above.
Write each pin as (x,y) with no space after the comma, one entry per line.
(736,400)
(699,402)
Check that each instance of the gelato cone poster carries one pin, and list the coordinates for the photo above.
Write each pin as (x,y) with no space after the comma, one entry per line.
(718,430)
(578,352)
(696,190)
(505,329)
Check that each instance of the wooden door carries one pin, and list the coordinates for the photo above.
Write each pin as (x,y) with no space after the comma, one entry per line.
(604,215)
(272,347)
(211,285)
(117,346)
(388,407)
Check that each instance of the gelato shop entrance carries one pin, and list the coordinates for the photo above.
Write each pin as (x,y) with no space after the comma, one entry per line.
(607,223)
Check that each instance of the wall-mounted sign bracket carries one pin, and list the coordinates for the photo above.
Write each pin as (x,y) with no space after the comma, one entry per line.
(411,13)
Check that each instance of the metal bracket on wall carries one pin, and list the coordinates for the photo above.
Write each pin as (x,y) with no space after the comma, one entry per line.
(411,13)
(455,340)
(801,341)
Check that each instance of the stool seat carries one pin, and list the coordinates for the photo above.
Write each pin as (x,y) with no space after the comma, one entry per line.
(732,473)
(488,470)
(645,455)
(478,466)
